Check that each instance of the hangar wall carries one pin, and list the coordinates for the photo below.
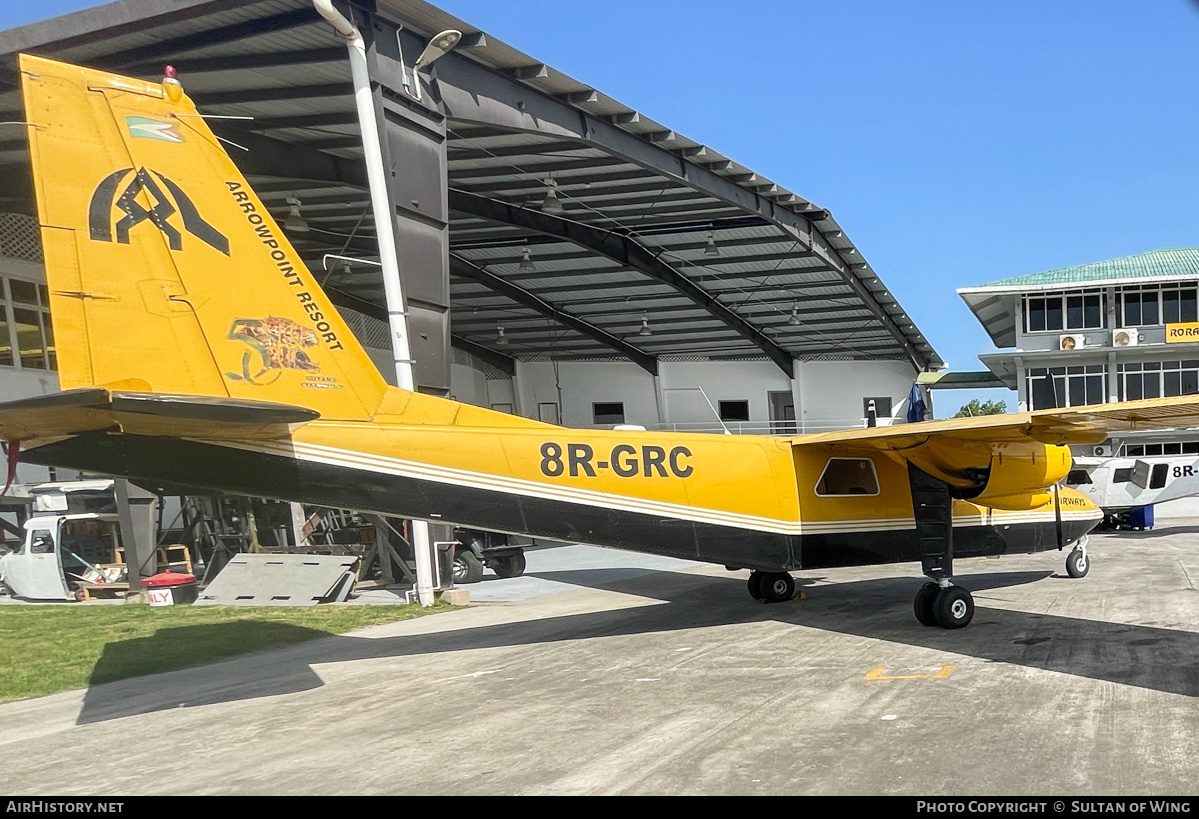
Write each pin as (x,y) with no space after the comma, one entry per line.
(830,393)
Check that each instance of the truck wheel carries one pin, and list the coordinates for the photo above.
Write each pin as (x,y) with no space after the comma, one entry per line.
(467,568)
(509,565)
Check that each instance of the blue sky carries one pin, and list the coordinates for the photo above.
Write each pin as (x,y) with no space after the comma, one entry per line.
(956,143)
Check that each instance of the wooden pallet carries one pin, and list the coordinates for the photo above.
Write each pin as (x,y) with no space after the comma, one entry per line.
(176,558)
(102,591)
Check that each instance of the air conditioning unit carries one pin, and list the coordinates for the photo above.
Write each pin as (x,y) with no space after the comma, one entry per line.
(1071,342)
(1102,451)
(1125,338)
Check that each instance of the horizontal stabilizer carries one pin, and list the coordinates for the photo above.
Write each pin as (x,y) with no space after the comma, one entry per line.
(94,409)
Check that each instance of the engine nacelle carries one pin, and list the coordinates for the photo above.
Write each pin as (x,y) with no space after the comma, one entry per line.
(1023,479)
(1012,476)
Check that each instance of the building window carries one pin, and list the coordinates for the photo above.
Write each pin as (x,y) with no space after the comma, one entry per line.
(1157,379)
(1057,387)
(882,407)
(608,413)
(1139,307)
(1063,311)
(26,338)
(848,476)
(1168,304)
(1166,448)
(734,410)
(1180,304)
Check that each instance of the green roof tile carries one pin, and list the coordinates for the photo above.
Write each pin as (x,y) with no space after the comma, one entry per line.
(1182,262)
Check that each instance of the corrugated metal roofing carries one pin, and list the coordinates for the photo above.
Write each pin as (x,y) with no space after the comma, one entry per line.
(1182,263)
(996,304)
(291,79)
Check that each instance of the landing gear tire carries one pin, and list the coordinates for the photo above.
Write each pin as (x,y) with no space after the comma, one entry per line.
(1077,564)
(755,585)
(953,608)
(925,598)
(467,568)
(777,587)
(510,565)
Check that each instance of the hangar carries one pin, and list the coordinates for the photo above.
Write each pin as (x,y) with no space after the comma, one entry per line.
(564,257)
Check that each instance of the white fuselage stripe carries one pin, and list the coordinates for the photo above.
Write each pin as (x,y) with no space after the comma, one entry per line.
(350,459)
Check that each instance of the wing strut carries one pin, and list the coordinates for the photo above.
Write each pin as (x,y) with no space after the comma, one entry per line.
(1057,514)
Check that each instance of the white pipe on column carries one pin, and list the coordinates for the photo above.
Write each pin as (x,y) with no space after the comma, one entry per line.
(397,319)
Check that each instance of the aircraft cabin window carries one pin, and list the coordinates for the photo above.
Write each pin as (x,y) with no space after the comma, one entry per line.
(41,544)
(1078,477)
(1158,478)
(1122,475)
(848,476)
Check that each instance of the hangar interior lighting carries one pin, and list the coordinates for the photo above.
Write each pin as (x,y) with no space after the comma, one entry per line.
(793,319)
(551,203)
(645,331)
(526,259)
(294,223)
(711,249)
(501,340)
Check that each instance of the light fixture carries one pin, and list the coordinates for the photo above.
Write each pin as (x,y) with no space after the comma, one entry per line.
(526,259)
(501,340)
(294,223)
(793,319)
(551,203)
(711,249)
(438,47)
(645,331)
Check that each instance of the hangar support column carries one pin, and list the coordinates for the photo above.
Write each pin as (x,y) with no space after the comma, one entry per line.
(414,154)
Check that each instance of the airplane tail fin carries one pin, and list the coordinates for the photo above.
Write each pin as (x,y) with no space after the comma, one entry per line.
(165,272)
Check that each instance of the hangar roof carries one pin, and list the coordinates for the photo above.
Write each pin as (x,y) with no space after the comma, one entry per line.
(740,267)
(996,304)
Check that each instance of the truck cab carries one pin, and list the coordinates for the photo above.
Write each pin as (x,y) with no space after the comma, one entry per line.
(56,550)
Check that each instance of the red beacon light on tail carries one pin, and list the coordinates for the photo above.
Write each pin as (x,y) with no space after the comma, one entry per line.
(171,84)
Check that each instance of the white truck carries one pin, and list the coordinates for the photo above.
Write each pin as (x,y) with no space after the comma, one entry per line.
(58,549)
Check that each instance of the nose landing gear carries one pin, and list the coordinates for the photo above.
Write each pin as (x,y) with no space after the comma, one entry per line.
(1077,562)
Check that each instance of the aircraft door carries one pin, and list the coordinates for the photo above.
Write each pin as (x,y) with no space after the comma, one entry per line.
(35,570)
(1140,474)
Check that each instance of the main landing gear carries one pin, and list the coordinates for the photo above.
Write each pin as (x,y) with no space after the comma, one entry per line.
(939,602)
(945,606)
(771,587)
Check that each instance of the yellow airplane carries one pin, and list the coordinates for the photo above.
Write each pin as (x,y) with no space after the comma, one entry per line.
(195,348)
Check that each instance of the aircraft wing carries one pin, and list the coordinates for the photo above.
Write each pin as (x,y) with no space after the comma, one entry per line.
(1077,425)
(94,409)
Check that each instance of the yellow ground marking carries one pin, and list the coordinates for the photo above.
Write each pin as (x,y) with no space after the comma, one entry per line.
(879,674)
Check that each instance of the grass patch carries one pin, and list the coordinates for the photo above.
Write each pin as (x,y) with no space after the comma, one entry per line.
(45,649)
